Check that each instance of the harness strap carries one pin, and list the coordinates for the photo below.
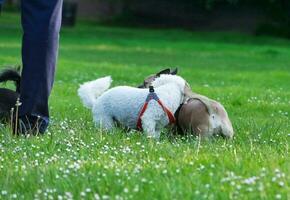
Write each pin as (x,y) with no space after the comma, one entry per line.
(168,112)
(139,122)
(153,96)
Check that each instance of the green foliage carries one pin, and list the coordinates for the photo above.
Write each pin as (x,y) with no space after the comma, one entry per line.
(249,75)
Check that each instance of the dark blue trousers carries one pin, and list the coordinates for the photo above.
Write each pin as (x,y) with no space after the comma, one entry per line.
(41,22)
(1,2)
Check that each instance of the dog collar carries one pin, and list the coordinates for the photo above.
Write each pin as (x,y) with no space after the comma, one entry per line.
(153,96)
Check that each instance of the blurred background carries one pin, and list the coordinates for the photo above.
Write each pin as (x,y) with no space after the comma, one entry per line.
(259,17)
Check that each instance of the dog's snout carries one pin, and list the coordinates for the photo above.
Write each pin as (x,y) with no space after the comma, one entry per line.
(226,134)
(223,132)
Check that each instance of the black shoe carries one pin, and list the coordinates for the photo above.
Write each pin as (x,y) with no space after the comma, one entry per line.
(30,125)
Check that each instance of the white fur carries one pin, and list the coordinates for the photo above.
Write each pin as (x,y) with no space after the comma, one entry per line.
(90,91)
(122,104)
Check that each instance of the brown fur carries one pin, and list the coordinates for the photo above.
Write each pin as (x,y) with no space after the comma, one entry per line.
(193,117)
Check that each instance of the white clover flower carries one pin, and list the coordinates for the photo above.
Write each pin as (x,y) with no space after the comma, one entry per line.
(281,184)
(136,188)
(68,195)
(97,196)
(162,159)
(126,190)
(251,180)
(105,197)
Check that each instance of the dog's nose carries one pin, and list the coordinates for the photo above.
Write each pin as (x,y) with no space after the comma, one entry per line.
(227,136)
(220,132)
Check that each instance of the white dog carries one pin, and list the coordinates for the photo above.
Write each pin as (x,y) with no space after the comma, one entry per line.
(123,104)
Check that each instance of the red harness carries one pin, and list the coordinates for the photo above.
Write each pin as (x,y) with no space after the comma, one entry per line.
(153,96)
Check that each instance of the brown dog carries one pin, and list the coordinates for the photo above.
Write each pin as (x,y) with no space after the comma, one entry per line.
(198,114)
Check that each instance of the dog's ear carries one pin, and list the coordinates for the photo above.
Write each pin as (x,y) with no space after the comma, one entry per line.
(174,72)
(164,71)
(187,93)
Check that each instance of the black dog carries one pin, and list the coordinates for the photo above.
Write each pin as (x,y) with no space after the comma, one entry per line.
(8,97)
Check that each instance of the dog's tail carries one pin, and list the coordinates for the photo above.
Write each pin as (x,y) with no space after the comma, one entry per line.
(90,91)
(11,75)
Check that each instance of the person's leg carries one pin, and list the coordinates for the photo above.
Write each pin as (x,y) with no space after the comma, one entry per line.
(41,21)
(1,2)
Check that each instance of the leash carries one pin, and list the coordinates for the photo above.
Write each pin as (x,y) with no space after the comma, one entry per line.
(153,96)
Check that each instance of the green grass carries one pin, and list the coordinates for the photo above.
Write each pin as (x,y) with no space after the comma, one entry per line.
(249,75)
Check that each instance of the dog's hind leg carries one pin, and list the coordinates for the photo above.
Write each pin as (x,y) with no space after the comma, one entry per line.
(104,122)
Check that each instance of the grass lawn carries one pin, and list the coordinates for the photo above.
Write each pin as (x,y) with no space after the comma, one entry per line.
(249,75)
